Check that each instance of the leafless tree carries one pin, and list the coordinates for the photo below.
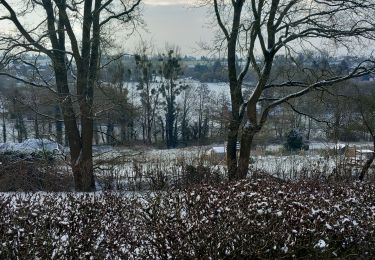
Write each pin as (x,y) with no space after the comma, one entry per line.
(149,89)
(69,32)
(364,104)
(258,30)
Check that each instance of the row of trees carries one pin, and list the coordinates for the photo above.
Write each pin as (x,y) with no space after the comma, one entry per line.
(167,104)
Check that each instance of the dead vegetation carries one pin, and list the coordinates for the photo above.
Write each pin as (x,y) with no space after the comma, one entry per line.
(40,171)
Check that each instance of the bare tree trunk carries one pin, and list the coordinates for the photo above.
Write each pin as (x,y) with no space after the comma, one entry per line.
(21,128)
(232,150)
(96,133)
(366,167)
(309,129)
(143,132)
(155,136)
(162,129)
(36,126)
(149,133)
(244,158)
(102,134)
(235,92)
(4,129)
(123,132)
(368,163)
(109,134)
(59,125)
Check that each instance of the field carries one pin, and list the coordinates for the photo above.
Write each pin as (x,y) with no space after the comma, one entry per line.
(150,168)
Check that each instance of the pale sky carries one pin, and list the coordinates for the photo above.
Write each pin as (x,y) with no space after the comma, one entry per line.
(168,2)
(175,22)
(172,22)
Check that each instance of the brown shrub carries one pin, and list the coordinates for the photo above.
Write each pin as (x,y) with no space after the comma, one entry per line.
(33,173)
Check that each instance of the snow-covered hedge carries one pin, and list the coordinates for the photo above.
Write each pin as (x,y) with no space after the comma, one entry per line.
(258,218)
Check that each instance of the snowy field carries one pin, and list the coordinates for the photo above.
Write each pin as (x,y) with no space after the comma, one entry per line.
(141,168)
(132,168)
(274,158)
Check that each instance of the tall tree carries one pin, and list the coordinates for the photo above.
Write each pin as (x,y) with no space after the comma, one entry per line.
(364,104)
(186,105)
(118,75)
(272,27)
(57,37)
(171,71)
(148,89)
(203,94)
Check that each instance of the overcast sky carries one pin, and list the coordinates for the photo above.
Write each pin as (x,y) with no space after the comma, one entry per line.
(175,22)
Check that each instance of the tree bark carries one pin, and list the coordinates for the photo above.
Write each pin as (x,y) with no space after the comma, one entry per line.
(244,157)
(235,92)
(59,125)
(366,167)
(36,126)
(368,163)
(4,129)
(232,149)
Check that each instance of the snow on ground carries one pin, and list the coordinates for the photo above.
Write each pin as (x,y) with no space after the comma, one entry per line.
(291,166)
(31,145)
(148,162)
(315,146)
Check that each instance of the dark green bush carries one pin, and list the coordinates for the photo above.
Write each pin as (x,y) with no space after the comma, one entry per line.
(295,141)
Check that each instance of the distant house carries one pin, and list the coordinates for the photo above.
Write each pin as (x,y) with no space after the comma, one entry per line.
(355,155)
(219,152)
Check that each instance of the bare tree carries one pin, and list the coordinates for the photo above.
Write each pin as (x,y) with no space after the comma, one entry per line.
(186,107)
(202,98)
(364,103)
(170,70)
(72,52)
(3,118)
(148,90)
(257,31)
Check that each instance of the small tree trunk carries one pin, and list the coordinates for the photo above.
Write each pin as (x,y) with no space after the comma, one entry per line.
(123,134)
(149,134)
(86,181)
(368,163)
(96,133)
(232,150)
(59,125)
(66,138)
(102,134)
(36,126)
(143,133)
(366,167)
(83,173)
(109,134)
(244,158)
(4,129)
(162,129)
(155,136)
